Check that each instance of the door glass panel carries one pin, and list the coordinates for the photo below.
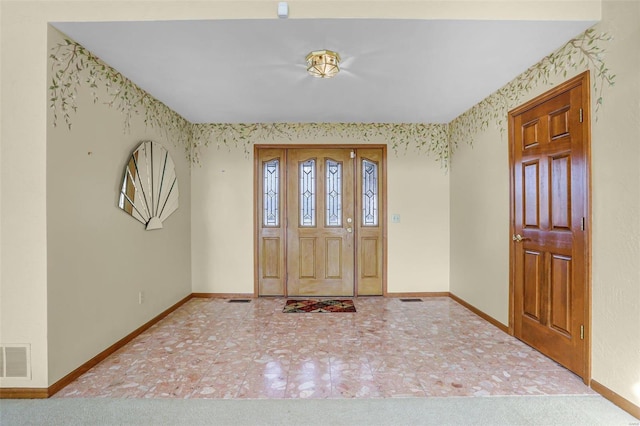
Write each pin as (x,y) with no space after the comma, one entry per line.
(334,193)
(271,196)
(308,193)
(369,193)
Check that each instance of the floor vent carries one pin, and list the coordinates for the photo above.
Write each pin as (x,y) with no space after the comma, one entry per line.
(15,361)
(240,301)
(411,300)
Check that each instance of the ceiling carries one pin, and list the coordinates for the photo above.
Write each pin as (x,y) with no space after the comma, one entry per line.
(253,70)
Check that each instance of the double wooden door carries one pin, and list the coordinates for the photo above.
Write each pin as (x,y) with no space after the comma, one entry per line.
(549,140)
(319,221)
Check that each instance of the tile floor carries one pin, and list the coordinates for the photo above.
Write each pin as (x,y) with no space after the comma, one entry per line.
(210,348)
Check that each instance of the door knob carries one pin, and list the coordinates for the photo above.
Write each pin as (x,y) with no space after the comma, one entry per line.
(517,237)
(349,229)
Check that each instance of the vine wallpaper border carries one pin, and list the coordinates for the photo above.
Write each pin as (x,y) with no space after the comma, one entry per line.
(73,67)
(585,51)
(432,139)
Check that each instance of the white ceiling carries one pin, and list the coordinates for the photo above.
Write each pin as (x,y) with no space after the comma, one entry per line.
(245,71)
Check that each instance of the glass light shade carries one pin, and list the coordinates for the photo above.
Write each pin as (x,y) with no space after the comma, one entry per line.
(323,63)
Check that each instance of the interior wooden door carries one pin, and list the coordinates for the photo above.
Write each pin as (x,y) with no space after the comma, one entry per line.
(320,231)
(550,201)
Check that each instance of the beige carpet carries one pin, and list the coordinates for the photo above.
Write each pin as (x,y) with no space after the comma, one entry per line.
(508,410)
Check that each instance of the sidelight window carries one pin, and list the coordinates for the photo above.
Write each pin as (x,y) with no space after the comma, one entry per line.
(271,196)
(369,193)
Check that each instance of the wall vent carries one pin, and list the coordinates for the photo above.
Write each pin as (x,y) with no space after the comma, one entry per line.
(15,360)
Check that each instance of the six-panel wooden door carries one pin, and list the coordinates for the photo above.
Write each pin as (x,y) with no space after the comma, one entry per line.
(549,145)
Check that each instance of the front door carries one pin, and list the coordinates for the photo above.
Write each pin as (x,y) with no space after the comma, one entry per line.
(320,221)
(320,238)
(549,156)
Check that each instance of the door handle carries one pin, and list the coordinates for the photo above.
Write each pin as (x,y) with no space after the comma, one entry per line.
(518,238)
(349,229)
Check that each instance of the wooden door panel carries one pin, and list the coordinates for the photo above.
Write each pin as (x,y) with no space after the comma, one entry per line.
(559,123)
(369,257)
(549,160)
(560,192)
(530,135)
(532,285)
(560,294)
(334,258)
(308,258)
(530,188)
(271,257)
(271,266)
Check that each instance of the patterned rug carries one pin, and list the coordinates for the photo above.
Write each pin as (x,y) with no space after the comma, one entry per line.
(342,305)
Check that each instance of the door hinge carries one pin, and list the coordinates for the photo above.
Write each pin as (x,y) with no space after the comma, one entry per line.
(582,332)
(581,118)
(582,224)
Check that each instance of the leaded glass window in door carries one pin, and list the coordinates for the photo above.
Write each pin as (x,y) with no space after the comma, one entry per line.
(307,187)
(369,193)
(334,193)
(271,195)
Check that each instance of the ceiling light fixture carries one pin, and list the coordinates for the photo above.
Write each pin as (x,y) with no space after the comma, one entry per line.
(323,63)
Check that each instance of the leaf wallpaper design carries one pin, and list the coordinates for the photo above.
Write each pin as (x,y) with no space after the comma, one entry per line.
(583,52)
(428,138)
(73,67)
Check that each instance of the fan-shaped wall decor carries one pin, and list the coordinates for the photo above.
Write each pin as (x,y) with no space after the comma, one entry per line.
(149,187)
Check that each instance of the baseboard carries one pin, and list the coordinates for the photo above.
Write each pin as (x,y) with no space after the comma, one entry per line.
(66,380)
(618,400)
(419,294)
(224,295)
(24,393)
(481,314)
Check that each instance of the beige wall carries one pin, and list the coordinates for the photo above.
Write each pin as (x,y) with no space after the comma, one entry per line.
(480,214)
(98,257)
(222,221)
(23,285)
(616,211)
(480,224)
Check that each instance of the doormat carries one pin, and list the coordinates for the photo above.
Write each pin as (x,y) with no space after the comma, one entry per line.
(324,306)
